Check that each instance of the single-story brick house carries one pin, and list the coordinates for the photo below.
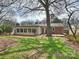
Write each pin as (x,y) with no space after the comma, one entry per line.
(38,29)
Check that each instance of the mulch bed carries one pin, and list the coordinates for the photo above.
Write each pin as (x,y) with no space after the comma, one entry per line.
(5,43)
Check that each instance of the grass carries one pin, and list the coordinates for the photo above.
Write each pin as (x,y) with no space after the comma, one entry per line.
(16,55)
(25,44)
(14,37)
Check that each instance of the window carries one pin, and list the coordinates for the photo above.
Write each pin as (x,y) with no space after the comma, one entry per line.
(33,30)
(21,30)
(17,30)
(29,30)
(25,30)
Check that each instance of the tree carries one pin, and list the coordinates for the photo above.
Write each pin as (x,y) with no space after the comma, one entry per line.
(1,30)
(4,4)
(43,5)
(37,22)
(67,4)
(6,27)
(71,8)
(74,21)
(56,20)
(46,6)
(29,22)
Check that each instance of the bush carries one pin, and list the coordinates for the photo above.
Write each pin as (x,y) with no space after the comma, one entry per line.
(6,28)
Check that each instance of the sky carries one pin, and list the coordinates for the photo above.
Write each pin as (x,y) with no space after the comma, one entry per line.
(36,17)
(32,16)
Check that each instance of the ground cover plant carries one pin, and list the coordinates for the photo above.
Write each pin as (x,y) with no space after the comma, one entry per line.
(52,48)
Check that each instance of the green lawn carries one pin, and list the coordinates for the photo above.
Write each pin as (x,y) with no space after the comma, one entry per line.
(24,45)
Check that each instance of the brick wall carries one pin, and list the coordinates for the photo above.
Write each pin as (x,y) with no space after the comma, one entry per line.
(58,30)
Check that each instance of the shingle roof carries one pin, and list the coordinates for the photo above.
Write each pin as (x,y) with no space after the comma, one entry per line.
(38,25)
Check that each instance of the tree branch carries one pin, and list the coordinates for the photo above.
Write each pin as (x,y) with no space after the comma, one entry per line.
(44,5)
(34,9)
(3,5)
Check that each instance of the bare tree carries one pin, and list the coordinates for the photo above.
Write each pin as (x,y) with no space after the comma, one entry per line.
(29,22)
(74,22)
(49,7)
(43,5)
(71,8)
(4,4)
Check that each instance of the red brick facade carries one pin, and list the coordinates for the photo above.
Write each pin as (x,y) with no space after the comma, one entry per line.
(58,30)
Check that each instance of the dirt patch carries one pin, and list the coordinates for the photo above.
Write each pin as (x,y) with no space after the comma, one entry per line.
(72,44)
(5,43)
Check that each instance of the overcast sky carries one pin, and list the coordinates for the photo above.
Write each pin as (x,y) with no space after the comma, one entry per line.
(34,16)
(30,16)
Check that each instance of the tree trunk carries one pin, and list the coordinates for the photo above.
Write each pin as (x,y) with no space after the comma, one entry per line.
(49,33)
(74,34)
(46,5)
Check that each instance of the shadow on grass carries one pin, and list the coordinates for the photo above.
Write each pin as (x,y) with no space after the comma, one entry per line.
(6,53)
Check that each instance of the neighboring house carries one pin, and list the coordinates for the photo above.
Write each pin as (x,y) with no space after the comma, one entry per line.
(38,29)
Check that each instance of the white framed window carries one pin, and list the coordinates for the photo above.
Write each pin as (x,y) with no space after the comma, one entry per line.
(17,30)
(21,30)
(25,30)
(29,30)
